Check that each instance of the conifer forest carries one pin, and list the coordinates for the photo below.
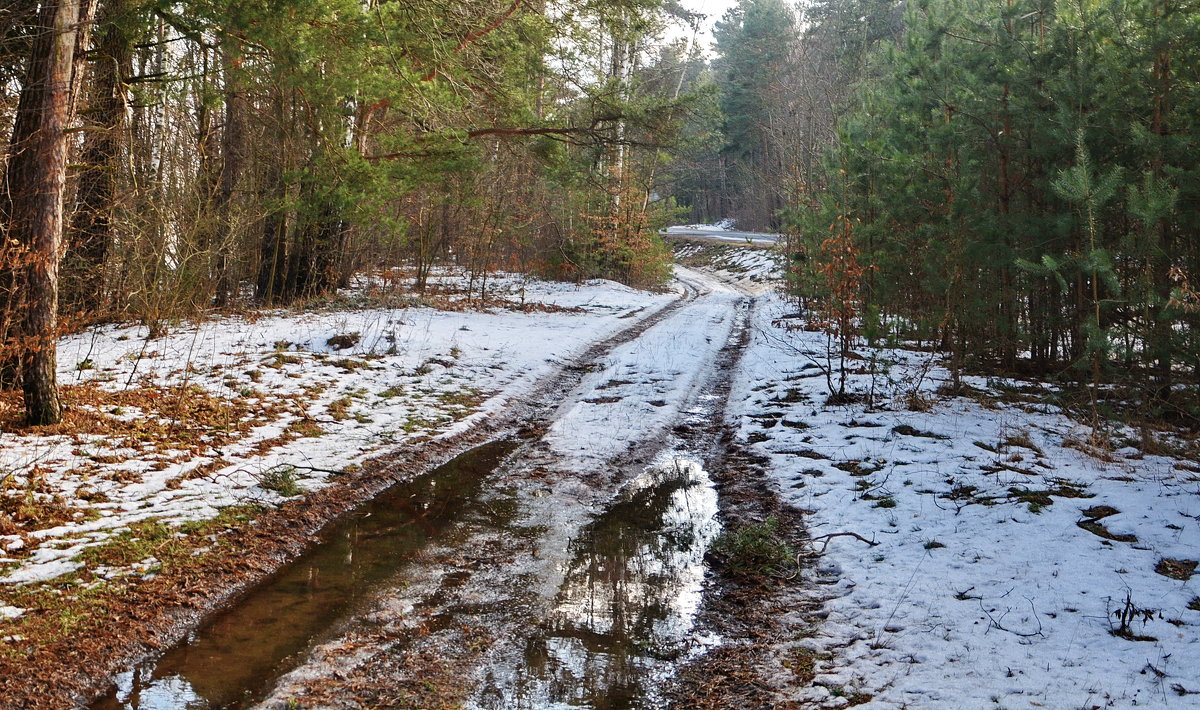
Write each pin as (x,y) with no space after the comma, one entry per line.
(607,354)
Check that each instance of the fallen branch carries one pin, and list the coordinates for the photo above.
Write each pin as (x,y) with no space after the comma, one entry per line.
(314,469)
(830,536)
(1002,466)
(994,623)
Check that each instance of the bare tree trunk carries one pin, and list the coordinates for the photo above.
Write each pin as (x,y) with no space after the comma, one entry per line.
(272,250)
(91,227)
(272,258)
(36,174)
(1160,345)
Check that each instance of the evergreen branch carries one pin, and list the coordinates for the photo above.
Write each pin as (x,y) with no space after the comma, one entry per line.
(964,38)
(476,35)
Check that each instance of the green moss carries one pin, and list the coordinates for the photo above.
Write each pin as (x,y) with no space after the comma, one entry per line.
(146,538)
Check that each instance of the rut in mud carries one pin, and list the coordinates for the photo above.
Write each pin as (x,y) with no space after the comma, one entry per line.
(571,574)
(239,653)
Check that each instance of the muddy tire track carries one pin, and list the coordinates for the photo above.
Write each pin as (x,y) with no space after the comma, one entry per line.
(761,620)
(762,662)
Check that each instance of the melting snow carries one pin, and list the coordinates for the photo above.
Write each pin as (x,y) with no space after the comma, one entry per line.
(358,381)
(984,589)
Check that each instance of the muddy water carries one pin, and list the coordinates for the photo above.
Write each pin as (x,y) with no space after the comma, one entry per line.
(233,660)
(624,613)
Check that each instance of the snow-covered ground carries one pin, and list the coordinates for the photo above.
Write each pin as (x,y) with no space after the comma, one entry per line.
(754,271)
(984,590)
(645,383)
(252,409)
(724,225)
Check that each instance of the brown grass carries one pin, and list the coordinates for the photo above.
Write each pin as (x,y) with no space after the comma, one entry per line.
(187,420)
(178,416)
(1176,569)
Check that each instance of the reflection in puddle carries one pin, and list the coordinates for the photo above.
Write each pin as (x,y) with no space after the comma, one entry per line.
(235,658)
(628,600)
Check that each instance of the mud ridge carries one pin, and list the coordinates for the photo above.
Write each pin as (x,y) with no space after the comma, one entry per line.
(757,618)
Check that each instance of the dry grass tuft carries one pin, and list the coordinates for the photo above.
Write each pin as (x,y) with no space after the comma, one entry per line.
(918,401)
(1176,569)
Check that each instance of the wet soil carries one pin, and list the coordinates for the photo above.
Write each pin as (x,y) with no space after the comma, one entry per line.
(759,618)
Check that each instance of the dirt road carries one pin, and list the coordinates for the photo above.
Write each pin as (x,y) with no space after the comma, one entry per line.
(563,568)
(724,236)
(587,591)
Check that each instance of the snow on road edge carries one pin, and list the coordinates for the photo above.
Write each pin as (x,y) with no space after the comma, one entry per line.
(984,591)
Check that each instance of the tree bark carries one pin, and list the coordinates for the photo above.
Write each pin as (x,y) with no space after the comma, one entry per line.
(272,249)
(1161,335)
(272,259)
(36,176)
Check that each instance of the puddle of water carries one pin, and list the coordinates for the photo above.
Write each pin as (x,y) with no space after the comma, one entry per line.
(625,611)
(236,657)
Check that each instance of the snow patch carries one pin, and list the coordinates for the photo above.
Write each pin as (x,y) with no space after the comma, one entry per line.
(1002,570)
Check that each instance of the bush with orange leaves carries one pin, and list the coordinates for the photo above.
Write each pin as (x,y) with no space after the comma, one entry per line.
(842,273)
